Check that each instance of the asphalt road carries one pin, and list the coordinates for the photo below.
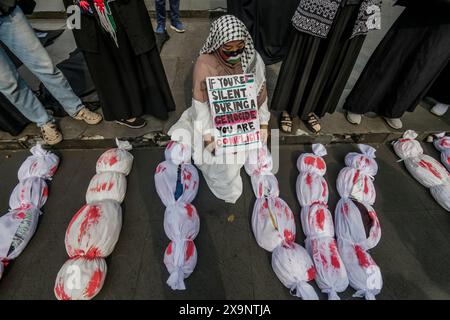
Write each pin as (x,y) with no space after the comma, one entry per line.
(413,254)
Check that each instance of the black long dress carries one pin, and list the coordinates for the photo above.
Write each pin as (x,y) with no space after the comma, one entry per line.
(315,71)
(440,91)
(268,22)
(130,79)
(405,64)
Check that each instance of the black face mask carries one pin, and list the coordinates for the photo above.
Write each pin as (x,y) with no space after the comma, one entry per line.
(233,53)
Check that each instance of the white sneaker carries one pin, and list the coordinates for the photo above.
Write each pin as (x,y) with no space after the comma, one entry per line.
(394,123)
(353,118)
(439,109)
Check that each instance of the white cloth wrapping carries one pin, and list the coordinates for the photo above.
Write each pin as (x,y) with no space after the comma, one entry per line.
(317,223)
(41,164)
(116,160)
(442,143)
(181,220)
(94,230)
(18,226)
(80,279)
(274,228)
(425,169)
(107,186)
(355,186)
(166,182)
(29,192)
(294,267)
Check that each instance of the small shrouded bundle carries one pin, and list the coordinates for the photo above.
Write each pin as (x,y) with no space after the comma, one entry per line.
(425,169)
(94,230)
(274,228)
(18,226)
(177,183)
(442,143)
(317,223)
(80,278)
(355,186)
(294,267)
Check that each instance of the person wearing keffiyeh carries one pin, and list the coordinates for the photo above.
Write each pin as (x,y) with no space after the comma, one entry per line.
(228,50)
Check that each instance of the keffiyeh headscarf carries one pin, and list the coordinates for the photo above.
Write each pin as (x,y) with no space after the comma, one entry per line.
(229,28)
(102,10)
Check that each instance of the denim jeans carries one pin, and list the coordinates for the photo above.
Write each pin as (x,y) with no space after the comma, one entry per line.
(17,34)
(161,11)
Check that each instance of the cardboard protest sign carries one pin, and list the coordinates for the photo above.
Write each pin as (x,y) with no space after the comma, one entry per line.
(234,108)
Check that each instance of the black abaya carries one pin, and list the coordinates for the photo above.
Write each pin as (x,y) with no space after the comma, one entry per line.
(404,66)
(268,22)
(315,71)
(440,91)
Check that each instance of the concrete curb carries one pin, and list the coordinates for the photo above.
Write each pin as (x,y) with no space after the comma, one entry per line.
(159,140)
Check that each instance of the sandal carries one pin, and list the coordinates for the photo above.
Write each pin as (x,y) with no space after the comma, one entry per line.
(286,122)
(313,123)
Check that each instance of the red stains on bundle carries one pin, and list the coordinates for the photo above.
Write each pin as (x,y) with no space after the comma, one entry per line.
(289,237)
(45,192)
(75,217)
(189,250)
(366,185)
(113,160)
(265,204)
(53,170)
(324,189)
(160,168)
(59,290)
(34,166)
(105,186)
(189,210)
(345,209)
(356,177)
(362,257)
(169,249)
(187,175)
(315,162)
(92,217)
(21,215)
(288,213)
(278,204)
(84,5)
(94,283)
(170,144)
(448,159)
(100,5)
(260,190)
(309,179)
(428,166)
(311,273)
(320,218)
(324,260)
(404,140)
(445,143)
(334,255)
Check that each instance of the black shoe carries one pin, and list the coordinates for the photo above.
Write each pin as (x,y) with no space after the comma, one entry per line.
(138,123)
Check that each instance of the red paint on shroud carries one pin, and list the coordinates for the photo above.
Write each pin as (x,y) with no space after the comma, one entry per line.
(320,218)
(426,165)
(311,273)
(94,283)
(59,290)
(189,250)
(334,256)
(362,257)
(92,217)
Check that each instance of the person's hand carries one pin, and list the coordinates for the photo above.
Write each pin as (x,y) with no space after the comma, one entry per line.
(264,133)
(210,145)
